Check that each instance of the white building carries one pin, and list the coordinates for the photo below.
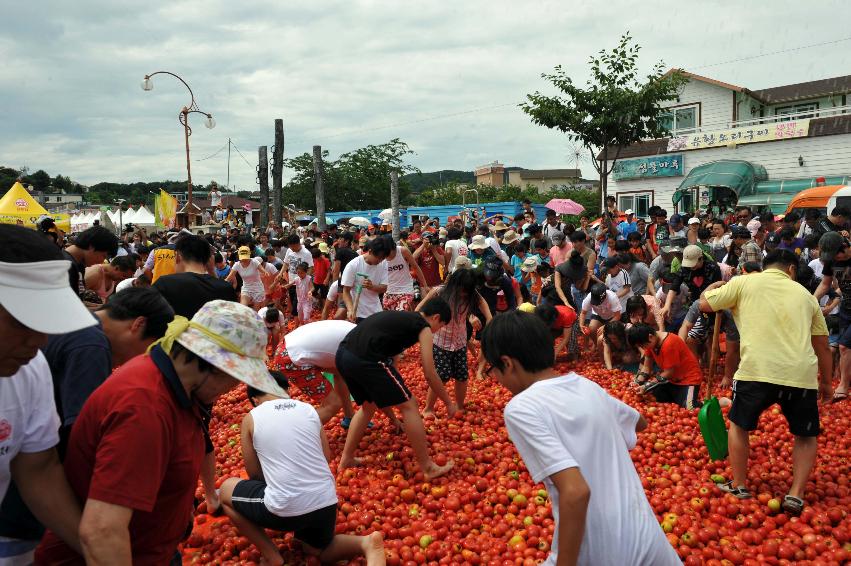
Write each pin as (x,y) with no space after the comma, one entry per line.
(729,143)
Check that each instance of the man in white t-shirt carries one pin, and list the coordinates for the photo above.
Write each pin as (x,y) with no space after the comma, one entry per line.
(454,247)
(364,279)
(253,292)
(603,306)
(575,438)
(35,300)
(295,256)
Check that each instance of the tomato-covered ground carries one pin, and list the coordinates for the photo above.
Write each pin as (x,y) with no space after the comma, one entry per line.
(488,510)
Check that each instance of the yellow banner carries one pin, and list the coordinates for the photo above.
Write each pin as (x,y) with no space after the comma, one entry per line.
(750,134)
(165,210)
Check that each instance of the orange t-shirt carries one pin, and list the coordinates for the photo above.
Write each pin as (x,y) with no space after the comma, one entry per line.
(674,354)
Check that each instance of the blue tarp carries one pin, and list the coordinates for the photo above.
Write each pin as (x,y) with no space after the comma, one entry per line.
(442,212)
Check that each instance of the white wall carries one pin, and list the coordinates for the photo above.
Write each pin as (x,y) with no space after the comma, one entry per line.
(716,103)
(823,156)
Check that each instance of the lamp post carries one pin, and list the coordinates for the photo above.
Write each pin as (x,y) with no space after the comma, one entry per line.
(120,203)
(183,118)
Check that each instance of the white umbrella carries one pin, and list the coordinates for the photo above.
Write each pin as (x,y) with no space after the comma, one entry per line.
(386,214)
(359,221)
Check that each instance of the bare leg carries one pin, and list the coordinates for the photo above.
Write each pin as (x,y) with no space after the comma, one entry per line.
(329,407)
(460,394)
(739,445)
(431,399)
(257,535)
(416,433)
(355,434)
(208,480)
(803,458)
(394,420)
(844,369)
(342,391)
(731,362)
(344,547)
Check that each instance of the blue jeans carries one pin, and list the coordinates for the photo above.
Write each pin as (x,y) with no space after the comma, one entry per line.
(578,296)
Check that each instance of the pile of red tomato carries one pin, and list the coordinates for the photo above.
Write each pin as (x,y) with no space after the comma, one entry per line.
(488,510)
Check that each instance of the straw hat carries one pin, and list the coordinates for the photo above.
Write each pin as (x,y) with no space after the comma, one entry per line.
(510,237)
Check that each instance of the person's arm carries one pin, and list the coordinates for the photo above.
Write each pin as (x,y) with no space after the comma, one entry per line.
(418,252)
(249,455)
(326,447)
(427,356)
(651,284)
(826,281)
(559,290)
(658,317)
(347,299)
(335,271)
(704,304)
(565,339)
(105,534)
(484,309)
(415,266)
(573,497)
(375,287)
(607,354)
(825,367)
(41,481)
(832,304)
(669,299)
(624,291)
(231,278)
(431,294)
(439,254)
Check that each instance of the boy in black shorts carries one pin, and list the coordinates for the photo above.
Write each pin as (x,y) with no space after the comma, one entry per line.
(365,361)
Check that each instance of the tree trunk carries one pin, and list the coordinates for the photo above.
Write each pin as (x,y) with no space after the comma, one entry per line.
(319,186)
(604,180)
(394,203)
(263,179)
(277,170)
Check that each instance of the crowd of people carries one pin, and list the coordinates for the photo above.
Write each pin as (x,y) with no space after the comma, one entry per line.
(115,349)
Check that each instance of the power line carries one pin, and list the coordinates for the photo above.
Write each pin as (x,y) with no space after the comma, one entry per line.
(213,154)
(242,156)
(759,55)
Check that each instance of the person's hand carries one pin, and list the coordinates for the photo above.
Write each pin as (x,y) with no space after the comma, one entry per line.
(726,382)
(666,313)
(586,330)
(351,317)
(475,323)
(367,284)
(825,391)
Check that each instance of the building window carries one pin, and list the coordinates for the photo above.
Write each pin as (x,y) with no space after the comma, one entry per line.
(687,203)
(58,199)
(785,112)
(638,203)
(682,120)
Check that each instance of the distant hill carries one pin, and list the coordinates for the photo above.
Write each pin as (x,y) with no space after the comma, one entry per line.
(420,181)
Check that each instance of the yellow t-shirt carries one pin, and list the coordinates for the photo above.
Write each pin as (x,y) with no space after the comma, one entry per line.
(776,318)
(163,262)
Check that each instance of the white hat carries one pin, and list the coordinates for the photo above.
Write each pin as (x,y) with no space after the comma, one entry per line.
(463,262)
(694,220)
(628,211)
(38,295)
(478,243)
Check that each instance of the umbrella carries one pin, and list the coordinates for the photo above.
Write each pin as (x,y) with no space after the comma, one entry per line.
(386,214)
(359,221)
(565,206)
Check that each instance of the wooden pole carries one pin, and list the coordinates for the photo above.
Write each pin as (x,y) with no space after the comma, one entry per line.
(277,170)
(394,203)
(263,179)
(319,186)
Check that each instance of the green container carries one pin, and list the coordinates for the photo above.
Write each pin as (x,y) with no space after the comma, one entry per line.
(713,429)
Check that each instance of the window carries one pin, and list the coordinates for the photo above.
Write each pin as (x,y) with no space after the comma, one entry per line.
(58,199)
(786,112)
(682,120)
(687,203)
(639,203)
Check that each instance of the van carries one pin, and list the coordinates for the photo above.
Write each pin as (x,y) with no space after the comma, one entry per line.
(824,199)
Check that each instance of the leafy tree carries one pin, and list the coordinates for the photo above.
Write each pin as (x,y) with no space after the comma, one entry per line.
(40,180)
(356,180)
(615,109)
(8,176)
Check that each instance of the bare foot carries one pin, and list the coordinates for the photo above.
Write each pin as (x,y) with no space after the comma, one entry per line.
(373,549)
(353,463)
(398,427)
(429,413)
(276,560)
(435,471)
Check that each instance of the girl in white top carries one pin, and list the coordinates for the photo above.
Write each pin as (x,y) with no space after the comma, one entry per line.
(291,487)
(253,293)
(303,288)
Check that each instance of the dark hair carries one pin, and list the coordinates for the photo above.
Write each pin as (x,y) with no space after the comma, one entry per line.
(812,214)
(811,241)
(626,258)
(638,335)
(178,349)
(193,248)
(124,262)
(550,212)
(347,236)
(459,290)
(791,218)
(766,217)
(99,239)
(841,211)
(522,336)
(273,315)
(541,244)
(381,246)
(453,233)
(218,258)
(780,258)
(633,237)
(527,201)
(303,266)
(293,239)
(751,267)
(635,304)
(547,312)
(436,305)
(578,236)
(279,378)
(721,222)
(268,252)
(617,329)
(22,245)
(807,278)
(134,302)
(787,233)
(621,246)
(703,233)
(544,267)
(519,216)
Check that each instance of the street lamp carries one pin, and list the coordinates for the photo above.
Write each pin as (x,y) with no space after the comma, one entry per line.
(183,118)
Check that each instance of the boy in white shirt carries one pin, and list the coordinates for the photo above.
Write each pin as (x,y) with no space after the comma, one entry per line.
(575,437)
(618,280)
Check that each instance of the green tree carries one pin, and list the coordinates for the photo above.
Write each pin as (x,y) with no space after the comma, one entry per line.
(40,180)
(615,109)
(8,176)
(357,180)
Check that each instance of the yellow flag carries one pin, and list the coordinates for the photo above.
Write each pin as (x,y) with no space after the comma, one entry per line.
(166,210)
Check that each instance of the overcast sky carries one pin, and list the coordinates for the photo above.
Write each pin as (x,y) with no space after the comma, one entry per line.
(444,77)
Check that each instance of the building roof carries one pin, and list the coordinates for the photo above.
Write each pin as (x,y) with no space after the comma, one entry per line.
(703,79)
(550,173)
(229,200)
(802,91)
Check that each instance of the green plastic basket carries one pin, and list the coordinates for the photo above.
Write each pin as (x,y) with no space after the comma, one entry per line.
(713,428)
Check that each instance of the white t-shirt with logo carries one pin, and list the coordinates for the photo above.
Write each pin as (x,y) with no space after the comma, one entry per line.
(288,443)
(571,422)
(369,302)
(606,310)
(316,344)
(293,259)
(28,419)
(617,282)
(454,248)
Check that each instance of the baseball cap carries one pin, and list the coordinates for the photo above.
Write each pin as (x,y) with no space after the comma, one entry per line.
(675,219)
(244,252)
(492,269)
(37,294)
(628,212)
(610,262)
(691,255)
(829,245)
(533,228)
(694,220)
(598,293)
(772,241)
(557,237)
(231,337)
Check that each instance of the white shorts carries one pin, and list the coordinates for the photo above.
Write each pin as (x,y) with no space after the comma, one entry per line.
(256,296)
(305,308)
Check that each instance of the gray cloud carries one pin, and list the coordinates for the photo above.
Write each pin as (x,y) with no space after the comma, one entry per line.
(345,74)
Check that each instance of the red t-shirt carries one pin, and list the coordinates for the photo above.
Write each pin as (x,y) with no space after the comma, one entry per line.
(566,317)
(138,443)
(674,354)
(430,268)
(321,265)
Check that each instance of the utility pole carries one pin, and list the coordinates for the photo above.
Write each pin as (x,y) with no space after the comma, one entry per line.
(227,184)
(263,179)
(394,203)
(277,170)
(319,186)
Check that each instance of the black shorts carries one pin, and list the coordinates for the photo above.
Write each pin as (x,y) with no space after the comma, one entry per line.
(451,364)
(686,396)
(844,330)
(321,290)
(377,382)
(315,528)
(799,406)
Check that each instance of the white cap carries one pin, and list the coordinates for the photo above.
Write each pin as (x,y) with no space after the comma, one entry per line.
(39,296)
(628,211)
(694,220)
